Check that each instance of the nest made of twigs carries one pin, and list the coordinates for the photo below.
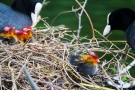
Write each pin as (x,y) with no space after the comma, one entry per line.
(47,61)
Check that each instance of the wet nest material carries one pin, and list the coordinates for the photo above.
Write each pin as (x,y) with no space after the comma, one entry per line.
(47,61)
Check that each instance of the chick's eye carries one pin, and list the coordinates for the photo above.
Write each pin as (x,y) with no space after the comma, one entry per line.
(94,56)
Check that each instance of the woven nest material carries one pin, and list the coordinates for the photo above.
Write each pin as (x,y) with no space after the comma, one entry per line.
(47,61)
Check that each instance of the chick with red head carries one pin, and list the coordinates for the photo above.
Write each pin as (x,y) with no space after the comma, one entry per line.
(8,32)
(86,65)
(7,35)
(23,35)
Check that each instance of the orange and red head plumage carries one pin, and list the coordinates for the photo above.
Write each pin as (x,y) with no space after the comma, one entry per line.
(23,35)
(91,58)
(8,32)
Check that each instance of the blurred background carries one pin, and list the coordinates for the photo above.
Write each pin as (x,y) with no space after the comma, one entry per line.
(97,10)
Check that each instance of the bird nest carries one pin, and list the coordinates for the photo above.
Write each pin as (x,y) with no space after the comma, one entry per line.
(47,61)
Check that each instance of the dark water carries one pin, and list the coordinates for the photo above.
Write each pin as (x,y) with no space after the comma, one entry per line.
(97,10)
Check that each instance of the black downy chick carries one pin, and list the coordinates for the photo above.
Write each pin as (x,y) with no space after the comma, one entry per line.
(86,65)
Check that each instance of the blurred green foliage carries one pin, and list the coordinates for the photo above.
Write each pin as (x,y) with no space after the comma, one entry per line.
(97,10)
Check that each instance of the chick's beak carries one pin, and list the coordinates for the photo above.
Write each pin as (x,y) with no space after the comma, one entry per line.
(98,60)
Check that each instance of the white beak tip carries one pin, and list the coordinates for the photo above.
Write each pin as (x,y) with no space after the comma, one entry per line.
(106,30)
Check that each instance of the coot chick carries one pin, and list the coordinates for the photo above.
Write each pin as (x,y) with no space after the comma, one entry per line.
(87,64)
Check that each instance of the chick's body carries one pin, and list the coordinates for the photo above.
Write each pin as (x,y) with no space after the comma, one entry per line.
(86,65)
